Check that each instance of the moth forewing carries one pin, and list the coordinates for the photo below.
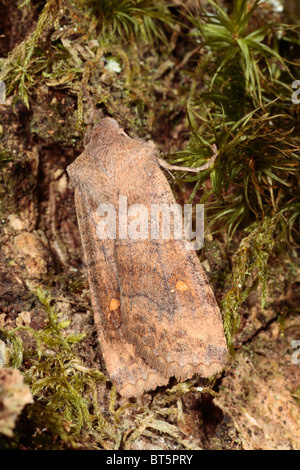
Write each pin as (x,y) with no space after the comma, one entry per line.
(155,313)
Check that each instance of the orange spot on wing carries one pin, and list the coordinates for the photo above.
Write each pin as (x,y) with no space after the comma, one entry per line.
(114,304)
(181,286)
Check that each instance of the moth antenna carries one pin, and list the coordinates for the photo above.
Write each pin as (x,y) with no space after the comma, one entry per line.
(206,165)
(92,109)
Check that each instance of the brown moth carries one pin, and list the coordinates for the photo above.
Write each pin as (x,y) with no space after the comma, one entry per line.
(155,313)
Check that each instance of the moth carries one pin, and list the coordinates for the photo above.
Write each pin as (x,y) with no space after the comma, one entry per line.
(155,313)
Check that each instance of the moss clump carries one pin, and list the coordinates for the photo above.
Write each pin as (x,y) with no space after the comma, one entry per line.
(62,386)
(249,268)
(76,43)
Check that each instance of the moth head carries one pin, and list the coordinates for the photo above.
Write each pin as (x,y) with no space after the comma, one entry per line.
(103,131)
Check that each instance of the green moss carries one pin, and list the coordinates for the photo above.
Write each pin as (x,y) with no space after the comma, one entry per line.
(72,46)
(244,107)
(62,386)
(5,157)
(142,19)
(249,269)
